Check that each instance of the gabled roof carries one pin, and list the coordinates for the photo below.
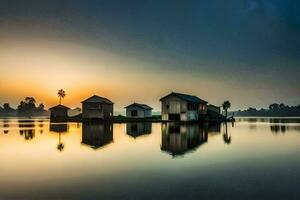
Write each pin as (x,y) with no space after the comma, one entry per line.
(185,97)
(143,106)
(96,99)
(59,107)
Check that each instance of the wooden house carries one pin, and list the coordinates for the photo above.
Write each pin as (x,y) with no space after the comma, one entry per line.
(59,112)
(137,110)
(182,107)
(97,107)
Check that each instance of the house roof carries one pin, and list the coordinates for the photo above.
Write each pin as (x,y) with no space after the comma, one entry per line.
(211,105)
(59,107)
(96,99)
(143,106)
(185,97)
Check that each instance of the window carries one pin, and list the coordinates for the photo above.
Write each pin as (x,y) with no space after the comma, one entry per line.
(202,107)
(192,106)
(95,106)
(167,106)
(134,113)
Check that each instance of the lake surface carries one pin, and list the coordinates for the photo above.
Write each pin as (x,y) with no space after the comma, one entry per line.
(253,159)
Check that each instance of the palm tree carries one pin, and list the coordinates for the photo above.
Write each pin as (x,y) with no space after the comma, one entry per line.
(61,94)
(226,105)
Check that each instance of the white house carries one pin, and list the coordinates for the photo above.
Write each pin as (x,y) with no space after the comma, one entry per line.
(182,107)
(137,110)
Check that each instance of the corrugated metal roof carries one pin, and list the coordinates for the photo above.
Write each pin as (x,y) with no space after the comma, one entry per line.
(143,106)
(185,97)
(97,99)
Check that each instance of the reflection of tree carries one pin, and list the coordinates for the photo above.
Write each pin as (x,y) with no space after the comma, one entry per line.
(5,126)
(59,128)
(27,129)
(60,145)
(41,125)
(278,129)
(226,135)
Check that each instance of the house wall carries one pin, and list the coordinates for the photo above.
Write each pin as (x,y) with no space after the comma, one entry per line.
(97,110)
(213,108)
(141,113)
(179,106)
(59,113)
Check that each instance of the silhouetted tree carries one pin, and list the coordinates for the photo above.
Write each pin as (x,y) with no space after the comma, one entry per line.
(61,94)
(226,105)
(7,109)
(27,107)
(275,110)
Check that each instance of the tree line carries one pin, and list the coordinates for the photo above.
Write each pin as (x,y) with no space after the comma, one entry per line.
(274,110)
(27,107)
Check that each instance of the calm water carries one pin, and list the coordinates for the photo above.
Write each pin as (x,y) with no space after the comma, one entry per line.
(254,159)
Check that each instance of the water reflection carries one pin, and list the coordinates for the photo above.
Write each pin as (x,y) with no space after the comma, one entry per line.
(59,128)
(27,129)
(214,128)
(41,125)
(178,139)
(138,129)
(97,135)
(226,135)
(5,126)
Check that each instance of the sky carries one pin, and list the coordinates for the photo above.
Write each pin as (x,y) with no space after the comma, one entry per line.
(244,51)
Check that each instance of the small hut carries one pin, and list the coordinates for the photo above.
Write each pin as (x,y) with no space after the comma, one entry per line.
(97,107)
(59,112)
(137,110)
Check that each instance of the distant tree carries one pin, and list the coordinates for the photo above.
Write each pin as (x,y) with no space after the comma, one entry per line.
(61,94)
(41,107)
(226,105)
(274,107)
(27,107)
(30,100)
(7,109)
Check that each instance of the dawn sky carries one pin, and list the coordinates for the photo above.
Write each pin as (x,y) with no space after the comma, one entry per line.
(246,51)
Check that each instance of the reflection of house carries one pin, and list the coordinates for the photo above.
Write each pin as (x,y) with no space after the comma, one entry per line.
(59,111)
(179,139)
(137,110)
(214,112)
(97,134)
(214,128)
(176,106)
(97,107)
(138,129)
(58,127)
